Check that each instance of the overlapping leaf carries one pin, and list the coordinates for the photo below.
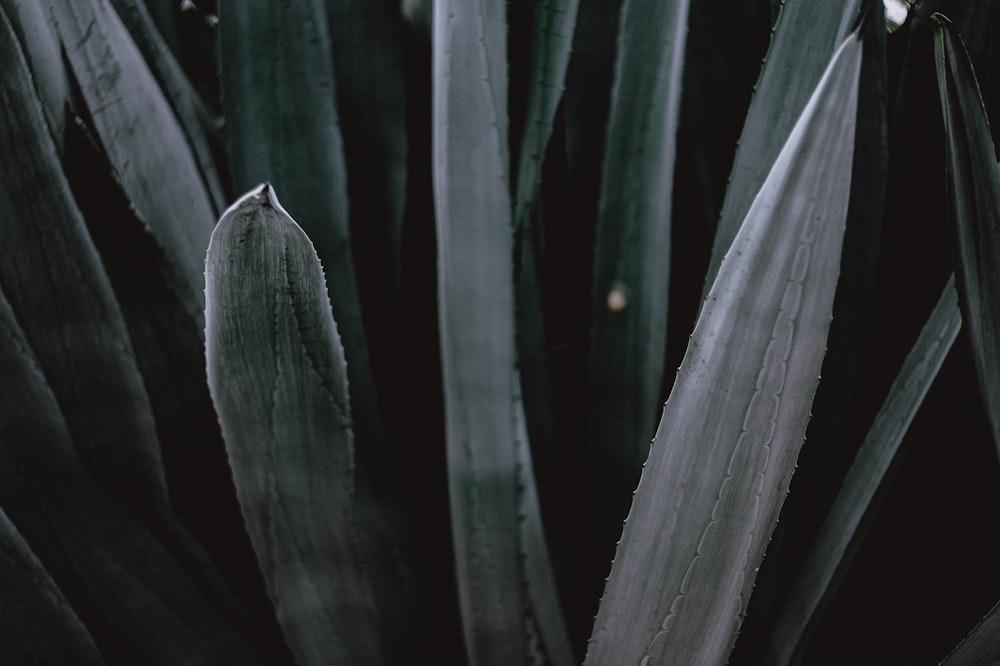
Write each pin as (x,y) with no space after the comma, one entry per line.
(733,425)
(973,187)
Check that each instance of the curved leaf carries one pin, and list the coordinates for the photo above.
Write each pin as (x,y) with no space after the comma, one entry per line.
(278,379)
(973,197)
(733,425)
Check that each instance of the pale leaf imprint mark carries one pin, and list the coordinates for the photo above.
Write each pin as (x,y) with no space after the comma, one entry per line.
(752,448)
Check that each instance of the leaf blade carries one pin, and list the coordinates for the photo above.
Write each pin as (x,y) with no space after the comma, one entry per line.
(973,204)
(278,379)
(735,419)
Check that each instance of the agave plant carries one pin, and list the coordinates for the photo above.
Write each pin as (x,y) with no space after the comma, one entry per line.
(424,408)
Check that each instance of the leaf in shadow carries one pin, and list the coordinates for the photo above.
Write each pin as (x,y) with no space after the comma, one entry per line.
(973,204)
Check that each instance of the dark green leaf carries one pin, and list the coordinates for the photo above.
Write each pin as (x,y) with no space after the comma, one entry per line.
(973,185)
(278,378)
(733,425)
(476,310)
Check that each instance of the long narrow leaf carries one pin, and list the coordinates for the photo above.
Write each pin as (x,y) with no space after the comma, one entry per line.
(973,179)
(733,425)
(289,135)
(829,554)
(278,378)
(632,255)
(476,310)
(805,35)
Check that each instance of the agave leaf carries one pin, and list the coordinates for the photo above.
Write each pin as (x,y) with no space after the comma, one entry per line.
(981,646)
(200,126)
(845,524)
(138,602)
(973,197)
(804,36)
(139,132)
(38,624)
(476,310)
(829,449)
(632,255)
(290,137)
(733,425)
(278,379)
(54,281)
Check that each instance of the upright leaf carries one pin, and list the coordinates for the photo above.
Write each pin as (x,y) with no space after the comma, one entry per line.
(632,256)
(973,186)
(731,430)
(476,310)
(278,378)
(289,135)
(830,555)
(804,37)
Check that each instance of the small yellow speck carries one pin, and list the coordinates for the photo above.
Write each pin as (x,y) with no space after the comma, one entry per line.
(617,300)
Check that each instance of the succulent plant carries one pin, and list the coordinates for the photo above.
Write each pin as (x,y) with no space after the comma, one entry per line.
(429,413)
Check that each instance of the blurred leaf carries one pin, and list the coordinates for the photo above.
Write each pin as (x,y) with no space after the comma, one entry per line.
(981,646)
(54,281)
(476,310)
(632,256)
(138,604)
(973,187)
(830,555)
(42,51)
(38,624)
(278,378)
(805,35)
(138,131)
(733,425)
